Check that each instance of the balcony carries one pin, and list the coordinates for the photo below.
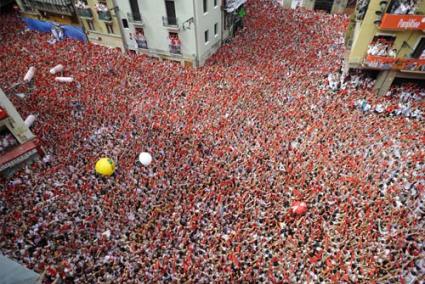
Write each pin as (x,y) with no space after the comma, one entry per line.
(175,49)
(84,12)
(171,23)
(104,16)
(135,19)
(380,62)
(391,63)
(142,43)
(413,65)
(58,9)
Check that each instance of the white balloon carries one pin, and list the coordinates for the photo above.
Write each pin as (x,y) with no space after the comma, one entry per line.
(30,74)
(145,158)
(29,120)
(56,69)
(64,79)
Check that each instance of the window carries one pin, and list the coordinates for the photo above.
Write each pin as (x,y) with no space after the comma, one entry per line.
(140,38)
(215,3)
(135,10)
(206,36)
(125,23)
(171,13)
(109,28)
(90,25)
(419,50)
(205,6)
(175,43)
(216,29)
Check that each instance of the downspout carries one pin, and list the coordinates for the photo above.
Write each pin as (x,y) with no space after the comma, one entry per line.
(117,14)
(196,35)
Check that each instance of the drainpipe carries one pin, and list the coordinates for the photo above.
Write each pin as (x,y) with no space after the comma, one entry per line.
(196,34)
(117,14)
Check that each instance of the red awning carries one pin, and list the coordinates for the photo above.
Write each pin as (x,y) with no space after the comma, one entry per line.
(19,154)
(402,22)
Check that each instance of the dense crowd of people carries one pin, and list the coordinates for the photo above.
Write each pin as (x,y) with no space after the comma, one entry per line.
(381,47)
(235,145)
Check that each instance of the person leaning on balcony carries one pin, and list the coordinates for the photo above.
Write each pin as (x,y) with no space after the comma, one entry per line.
(393,53)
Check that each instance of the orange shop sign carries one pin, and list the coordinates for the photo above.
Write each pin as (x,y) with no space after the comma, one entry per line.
(403,22)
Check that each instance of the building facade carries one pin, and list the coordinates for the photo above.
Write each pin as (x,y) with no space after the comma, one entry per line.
(330,6)
(387,37)
(187,31)
(101,22)
(59,11)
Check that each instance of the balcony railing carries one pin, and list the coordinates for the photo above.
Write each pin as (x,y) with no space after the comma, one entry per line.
(104,16)
(84,12)
(136,19)
(142,43)
(391,63)
(412,64)
(175,49)
(380,62)
(54,8)
(170,22)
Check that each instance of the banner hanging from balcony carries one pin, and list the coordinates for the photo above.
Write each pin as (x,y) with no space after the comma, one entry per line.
(68,31)
(232,5)
(403,22)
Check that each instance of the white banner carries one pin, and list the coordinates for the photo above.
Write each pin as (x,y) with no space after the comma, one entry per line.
(232,5)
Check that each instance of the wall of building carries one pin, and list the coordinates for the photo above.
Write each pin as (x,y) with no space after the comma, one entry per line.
(157,35)
(128,33)
(206,22)
(366,30)
(100,33)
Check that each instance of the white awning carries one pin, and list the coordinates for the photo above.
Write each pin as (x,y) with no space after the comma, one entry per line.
(232,5)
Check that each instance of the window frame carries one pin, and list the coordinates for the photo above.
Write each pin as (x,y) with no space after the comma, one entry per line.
(205,6)
(206,37)
(109,28)
(90,25)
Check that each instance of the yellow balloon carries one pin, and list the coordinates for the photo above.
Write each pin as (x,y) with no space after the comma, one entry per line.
(105,167)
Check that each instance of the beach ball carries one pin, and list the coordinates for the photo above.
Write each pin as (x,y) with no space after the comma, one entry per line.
(299,207)
(105,167)
(145,158)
